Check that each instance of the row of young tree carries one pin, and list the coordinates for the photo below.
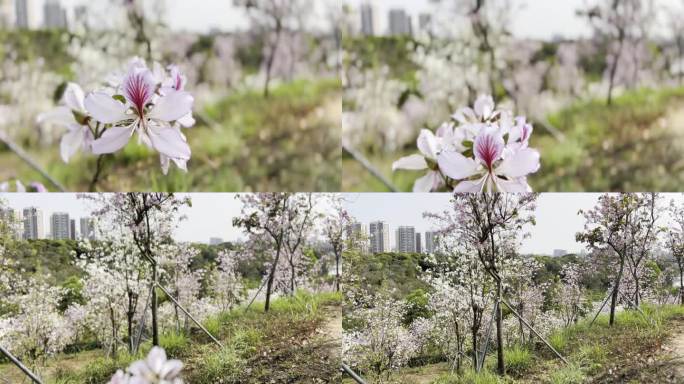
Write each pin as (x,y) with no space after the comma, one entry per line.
(138,283)
(482,295)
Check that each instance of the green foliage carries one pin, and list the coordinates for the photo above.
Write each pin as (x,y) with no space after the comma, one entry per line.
(73,293)
(101,370)
(570,374)
(174,343)
(470,377)
(417,301)
(213,366)
(518,359)
(558,340)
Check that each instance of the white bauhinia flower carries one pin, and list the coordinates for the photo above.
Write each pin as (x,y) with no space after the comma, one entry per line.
(152,116)
(73,116)
(483,110)
(429,145)
(495,165)
(156,369)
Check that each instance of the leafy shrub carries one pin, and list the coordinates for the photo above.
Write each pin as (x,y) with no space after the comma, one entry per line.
(518,359)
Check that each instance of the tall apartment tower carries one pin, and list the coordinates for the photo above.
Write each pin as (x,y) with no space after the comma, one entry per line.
(25,14)
(430,242)
(406,239)
(379,237)
(419,248)
(399,23)
(33,224)
(72,229)
(55,14)
(367,21)
(60,226)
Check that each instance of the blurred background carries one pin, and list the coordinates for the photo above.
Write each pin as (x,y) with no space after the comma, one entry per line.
(602,81)
(264,74)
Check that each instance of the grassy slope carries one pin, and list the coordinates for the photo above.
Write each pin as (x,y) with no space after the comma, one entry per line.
(634,145)
(632,351)
(287,142)
(291,343)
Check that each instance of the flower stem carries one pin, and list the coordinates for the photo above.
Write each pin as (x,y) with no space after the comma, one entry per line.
(98,173)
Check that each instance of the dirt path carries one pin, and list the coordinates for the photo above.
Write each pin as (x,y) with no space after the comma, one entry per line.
(676,345)
(332,328)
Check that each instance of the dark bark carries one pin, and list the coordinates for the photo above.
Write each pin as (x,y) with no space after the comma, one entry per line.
(500,365)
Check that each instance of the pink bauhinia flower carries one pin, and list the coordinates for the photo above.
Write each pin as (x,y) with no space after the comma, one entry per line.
(495,166)
(151,115)
(481,149)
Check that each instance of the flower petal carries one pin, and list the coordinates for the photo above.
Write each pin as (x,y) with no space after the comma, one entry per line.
(428,144)
(521,163)
(428,183)
(71,142)
(488,147)
(138,88)
(113,139)
(59,116)
(468,186)
(413,163)
(170,142)
(484,106)
(456,166)
(172,106)
(186,121)
(104,108)
(74,97)
(518,185)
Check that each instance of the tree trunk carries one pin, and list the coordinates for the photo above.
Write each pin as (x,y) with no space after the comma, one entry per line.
(292,279)
(501,368)
(681,287)
(129,319)
(636,292)
(271,58)
(337,271)
(473,331)
(616,290)
(613,70)
(155,325)
(271,278)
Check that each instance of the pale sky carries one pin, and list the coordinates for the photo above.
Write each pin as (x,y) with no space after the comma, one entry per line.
(556,215)
(211,214)
(196,15)
(537,19)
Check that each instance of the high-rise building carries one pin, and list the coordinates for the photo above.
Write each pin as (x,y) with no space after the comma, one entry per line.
(406,239)
(399,23)
(379,237)
(425,23)
(25,14)
(33,224)
(367,21)
(419,248)
(59,226)
(430,242)
(215,241)
(54,14)
(72,229)
(87,228)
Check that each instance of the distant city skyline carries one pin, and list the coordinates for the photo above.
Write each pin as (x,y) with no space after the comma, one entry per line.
(556,215)
(179,15)
(209,217)
(543,20)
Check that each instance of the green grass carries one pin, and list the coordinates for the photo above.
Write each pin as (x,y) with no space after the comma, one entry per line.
(518,359)
(286,345)
(244,142)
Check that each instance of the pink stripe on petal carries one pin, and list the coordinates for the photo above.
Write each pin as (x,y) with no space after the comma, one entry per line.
(138,89)
(488,148)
